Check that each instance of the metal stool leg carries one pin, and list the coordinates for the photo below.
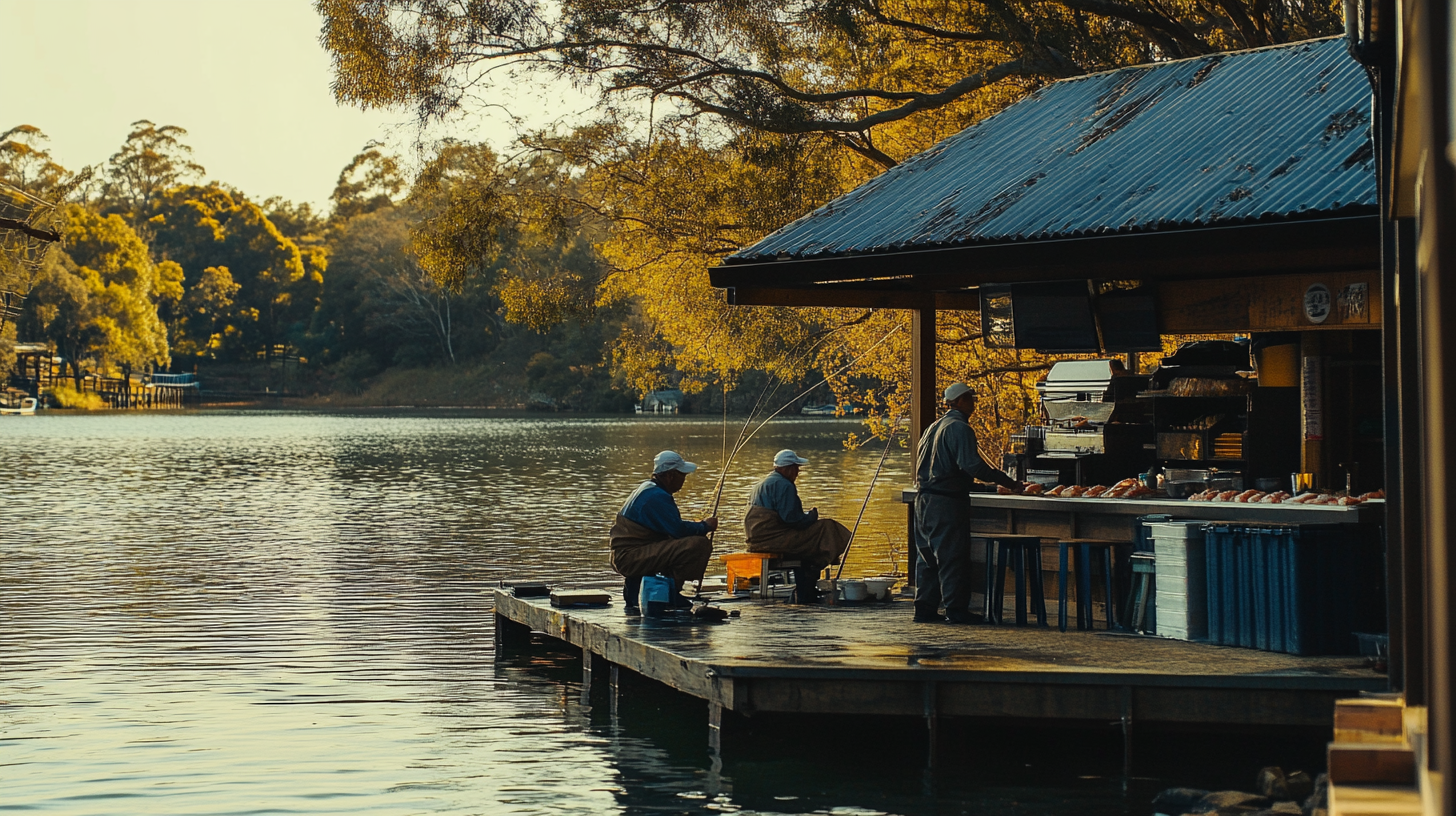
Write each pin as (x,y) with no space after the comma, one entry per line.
(1062,585)
(1107,586)
(1037,596)
(1084,586)
(998,603)
(1020,584)
(990,581)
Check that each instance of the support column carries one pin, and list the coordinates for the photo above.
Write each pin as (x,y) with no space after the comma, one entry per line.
(1405,511)
(1428,50)
(924,400)
(509,634)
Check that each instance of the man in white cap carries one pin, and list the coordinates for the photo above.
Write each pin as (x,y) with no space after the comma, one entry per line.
(948,464)
(776,523)
(650,536)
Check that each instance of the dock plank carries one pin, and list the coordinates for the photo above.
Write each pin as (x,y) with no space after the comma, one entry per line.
(874,660)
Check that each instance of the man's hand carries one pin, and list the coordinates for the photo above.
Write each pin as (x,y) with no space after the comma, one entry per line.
(712,523)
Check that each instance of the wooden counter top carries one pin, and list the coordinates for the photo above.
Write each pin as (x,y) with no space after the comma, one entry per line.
(1372,512)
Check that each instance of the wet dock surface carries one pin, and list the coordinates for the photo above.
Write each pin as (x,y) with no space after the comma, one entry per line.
(874,660)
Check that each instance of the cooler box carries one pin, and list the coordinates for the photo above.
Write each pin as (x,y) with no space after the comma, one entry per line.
(1182,588)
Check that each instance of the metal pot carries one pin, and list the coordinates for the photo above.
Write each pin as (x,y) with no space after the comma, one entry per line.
(1182,490)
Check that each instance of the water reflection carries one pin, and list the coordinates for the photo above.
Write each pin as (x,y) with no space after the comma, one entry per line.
(289,612)
(282,611)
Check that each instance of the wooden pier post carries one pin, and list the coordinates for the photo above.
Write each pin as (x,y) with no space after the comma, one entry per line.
(932,724)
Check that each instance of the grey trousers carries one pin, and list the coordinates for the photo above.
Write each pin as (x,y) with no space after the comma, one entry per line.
(943,538)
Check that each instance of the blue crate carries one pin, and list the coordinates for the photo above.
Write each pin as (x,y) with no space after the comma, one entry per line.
(1302,589)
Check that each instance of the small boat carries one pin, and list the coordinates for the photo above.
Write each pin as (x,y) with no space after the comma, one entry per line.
(27,406)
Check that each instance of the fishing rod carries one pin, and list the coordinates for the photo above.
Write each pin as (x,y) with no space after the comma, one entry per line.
(743,438)
(746,438)
(844,557)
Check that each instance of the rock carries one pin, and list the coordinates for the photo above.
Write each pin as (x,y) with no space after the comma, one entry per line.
(1178,800)
(1318,800)
(1271,783)
(1279,786)
(1219,801)
(1300,785)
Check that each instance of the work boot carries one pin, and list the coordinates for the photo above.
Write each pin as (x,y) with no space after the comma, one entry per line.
(960,616)
(677,600)
(631,595)
(806,590)
(927,613)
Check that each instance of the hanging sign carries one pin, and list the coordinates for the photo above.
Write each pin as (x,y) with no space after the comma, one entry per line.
(1312,405)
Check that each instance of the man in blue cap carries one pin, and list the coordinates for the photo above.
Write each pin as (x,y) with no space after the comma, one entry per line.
(948,464)
(650,536)
(776,523)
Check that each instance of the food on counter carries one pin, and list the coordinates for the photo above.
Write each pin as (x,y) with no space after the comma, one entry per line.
(1034,489)
(1225,496)
(1204,496)
(1071,492)
(1248,496)
(1348,501)
(1094,491)
(1374,494)
(1277,497)
(1054,492)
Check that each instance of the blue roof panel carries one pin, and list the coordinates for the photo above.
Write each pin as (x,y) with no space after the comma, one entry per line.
(1269,134)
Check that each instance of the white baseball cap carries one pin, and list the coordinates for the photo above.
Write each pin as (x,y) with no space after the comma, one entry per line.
(955,391)
(670,460)
(784,458)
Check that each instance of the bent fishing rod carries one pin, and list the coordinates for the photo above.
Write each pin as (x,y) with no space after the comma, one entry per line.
(844,557)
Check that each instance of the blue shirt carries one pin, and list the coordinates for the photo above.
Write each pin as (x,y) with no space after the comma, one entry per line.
(778,494)
(653,508)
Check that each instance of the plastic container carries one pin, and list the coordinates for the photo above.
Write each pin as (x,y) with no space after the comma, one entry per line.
(1301,589)
(1181,585)
(854,590)
(656,590)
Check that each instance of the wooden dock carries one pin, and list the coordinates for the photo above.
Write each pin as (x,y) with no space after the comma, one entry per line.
(778,659)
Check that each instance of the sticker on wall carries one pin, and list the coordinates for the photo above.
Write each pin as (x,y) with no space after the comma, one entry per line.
(1354,303)
(1317,303)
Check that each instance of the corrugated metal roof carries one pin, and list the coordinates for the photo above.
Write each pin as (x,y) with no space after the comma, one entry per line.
(1267,134)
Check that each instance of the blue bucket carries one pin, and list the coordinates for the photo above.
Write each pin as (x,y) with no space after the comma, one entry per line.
(656,590)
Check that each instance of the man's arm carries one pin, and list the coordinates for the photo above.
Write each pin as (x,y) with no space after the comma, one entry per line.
(968,459)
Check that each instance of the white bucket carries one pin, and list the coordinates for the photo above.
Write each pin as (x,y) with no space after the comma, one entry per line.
(879,587)
(854,590)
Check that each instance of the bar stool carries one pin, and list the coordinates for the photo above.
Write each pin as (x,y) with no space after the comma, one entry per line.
(1083,548)
(1144,568)
(1004,551)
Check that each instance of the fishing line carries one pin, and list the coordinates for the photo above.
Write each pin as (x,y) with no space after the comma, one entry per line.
(844,557)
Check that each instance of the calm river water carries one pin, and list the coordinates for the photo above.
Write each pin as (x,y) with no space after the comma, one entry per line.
(288,612)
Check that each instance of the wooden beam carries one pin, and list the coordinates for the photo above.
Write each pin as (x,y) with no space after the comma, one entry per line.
(924,397)
(846,297)
(1287,247)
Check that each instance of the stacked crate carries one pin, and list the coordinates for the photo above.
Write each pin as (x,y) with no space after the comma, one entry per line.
(1182,588)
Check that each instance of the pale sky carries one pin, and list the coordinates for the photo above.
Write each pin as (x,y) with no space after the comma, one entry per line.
(247,79)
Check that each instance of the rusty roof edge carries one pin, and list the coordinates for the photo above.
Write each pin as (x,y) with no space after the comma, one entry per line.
(1347,211)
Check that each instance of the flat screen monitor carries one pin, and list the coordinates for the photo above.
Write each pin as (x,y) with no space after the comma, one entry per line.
(1054,317)
(1129,321)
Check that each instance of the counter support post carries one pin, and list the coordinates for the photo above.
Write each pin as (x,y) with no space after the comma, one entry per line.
(1126,736)
(923,401)
(932,724)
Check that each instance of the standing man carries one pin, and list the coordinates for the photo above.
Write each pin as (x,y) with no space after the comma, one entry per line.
(948,463)
(650,536)
(776,523)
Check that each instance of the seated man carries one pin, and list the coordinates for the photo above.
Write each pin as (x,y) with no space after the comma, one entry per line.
(777,523)
(651,537)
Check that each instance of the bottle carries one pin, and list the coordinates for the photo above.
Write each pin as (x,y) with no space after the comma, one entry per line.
(656,590)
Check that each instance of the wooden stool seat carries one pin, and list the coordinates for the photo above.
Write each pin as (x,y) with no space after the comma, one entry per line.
(1004,551)
(1082,548)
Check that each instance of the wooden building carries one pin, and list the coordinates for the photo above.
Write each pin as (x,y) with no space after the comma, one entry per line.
(1229,187)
